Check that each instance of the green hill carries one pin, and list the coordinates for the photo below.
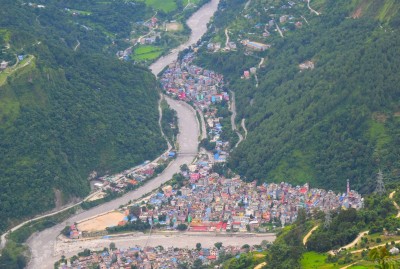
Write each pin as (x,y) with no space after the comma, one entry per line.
(66,113)
(339,120)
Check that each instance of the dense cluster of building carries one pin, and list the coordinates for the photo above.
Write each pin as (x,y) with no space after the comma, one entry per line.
(204,89)
(211,202)
(151,257)
(192,83)
(131,177)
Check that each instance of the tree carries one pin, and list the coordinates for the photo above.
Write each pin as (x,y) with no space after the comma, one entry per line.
(181,227)
(197,264)
(381,256)
(135,210)
(218,245)
(184,167)
(198,246)
(66,231)
(301,216)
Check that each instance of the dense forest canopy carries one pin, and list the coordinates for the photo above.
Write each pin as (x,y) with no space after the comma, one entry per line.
(341,119)
(65,113)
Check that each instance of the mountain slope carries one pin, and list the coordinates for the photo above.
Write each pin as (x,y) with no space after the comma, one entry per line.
(66,113)
(337,121)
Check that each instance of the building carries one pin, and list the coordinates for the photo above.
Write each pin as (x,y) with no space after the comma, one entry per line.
(306,65)
(3,65)
(256,45)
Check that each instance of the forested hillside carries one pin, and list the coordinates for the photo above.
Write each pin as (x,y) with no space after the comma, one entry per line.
(337,120)
(66,111)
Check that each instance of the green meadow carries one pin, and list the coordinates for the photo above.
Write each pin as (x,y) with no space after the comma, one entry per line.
(164,5)
(144,53)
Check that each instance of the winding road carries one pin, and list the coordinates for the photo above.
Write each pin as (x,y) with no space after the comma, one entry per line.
(361,234)
(312,10)
(42,244)
(233,119)
(305,239)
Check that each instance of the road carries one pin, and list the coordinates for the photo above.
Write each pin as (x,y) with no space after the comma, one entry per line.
(247,4)
(279,30)
(233,119)
(395,204)
(227,37)
(42,245)
(77,45)
(312,10)
(202,124)
(244,128)
(361,234)
(179,240)
(305,239)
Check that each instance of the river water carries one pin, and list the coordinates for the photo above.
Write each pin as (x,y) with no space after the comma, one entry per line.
(198,24)
(43,245)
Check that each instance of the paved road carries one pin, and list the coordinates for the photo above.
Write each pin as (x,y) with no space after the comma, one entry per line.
(180,240)
(42,244)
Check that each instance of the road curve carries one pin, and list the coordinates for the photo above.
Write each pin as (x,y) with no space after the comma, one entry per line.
(305,239)
(42,244)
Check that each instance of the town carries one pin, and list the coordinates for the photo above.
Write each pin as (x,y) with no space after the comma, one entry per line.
(203,197)
(155,257)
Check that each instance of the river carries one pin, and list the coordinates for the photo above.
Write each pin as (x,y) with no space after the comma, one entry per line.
(42,244)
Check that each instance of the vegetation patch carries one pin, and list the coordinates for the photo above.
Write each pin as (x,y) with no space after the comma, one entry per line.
(164,5)
(144,53)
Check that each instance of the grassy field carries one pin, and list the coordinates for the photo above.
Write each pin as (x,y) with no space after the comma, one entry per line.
(316,260)
(164,5)
(80,12)
(28,61)
(144,53)
(5,35)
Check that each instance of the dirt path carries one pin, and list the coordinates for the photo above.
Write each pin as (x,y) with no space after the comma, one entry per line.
(233,118)
(380,245)
(304,18)
(305,239)
(350,245)
(247,4)
(279,30)
(227,37)
(187,5)
(243,123)
(395,204)
(355,241)
(312,10)
(350,265)
(261,265)
(261,62)
(77,45)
